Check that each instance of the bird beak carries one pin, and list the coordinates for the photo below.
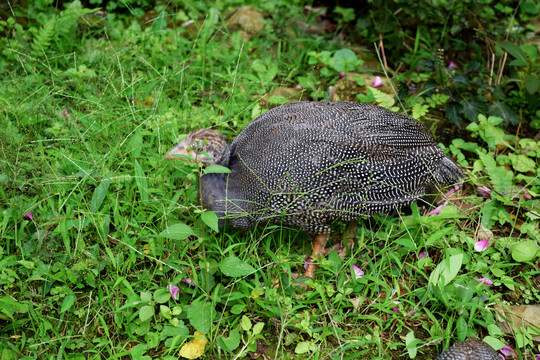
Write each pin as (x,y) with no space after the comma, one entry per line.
(179,152)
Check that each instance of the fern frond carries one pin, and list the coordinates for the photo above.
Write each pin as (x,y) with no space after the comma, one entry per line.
(440,68)
(44,37)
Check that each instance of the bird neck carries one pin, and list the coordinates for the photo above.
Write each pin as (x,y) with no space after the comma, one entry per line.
(213,192)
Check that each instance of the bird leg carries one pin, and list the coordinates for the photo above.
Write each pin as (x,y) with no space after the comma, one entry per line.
(348,240)
(348,237)
(318,249)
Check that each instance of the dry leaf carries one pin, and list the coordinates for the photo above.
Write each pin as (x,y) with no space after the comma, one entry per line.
(194,348)
(519,317)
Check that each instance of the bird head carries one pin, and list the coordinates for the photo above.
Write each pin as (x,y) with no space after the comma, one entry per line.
(204,146)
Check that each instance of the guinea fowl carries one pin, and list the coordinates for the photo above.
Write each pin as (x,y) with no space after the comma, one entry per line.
(308,164)
(470,350)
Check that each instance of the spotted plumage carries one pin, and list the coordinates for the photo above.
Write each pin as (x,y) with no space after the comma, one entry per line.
(309,164)
(470,350)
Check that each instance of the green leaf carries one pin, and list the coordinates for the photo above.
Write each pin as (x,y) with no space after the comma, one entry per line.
(522,163)
(345,60)
(178,231)
(230,343)
(516,52)
(140,179)
(137,352)
(209,25)
(446,271)
(501,178)
(411,344)
(493,136)
(162,296)
(234,267)
(438,235)
(211,220)
(383,99)
(525,251)
(146,312)
(68,302)
(258,328)
(472,107)
(8,307)
(419,110)
(452,110)
(99,195)
(200,315)
(532,83)
(216,169)
(146,296)
(160,22)
(304,347)
(238,308)
(500,109)
(245,323)
(271,73)
(277,100)
(462,328)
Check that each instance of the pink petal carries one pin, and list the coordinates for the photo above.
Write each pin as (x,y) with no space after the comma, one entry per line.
(395,309)
(29,216)
(377,82)
(485,281)
(453,190)
(173,289)
(330,92)
(412,312)
(484,191)
(308,260)
(422,255)
(438,209)
(342,75)
(298,86)
(452,64)
(357,272)
(508,351)
(188,281)
(64,112)
(482,245)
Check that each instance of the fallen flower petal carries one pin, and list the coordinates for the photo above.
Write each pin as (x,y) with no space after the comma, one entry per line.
(508,351)
(342,75)
(452,190)
(452,64)
(64,112)
(482,245)
(29,216)
(357,272)
(485,281)
(173,289)
(298,86)
(438,209)
(484,192)
(422,255)
(330,92)
(188,281)
(308,260)
(377,82)
(412,312)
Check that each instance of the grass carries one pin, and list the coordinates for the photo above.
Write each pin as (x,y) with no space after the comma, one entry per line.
(87,197)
